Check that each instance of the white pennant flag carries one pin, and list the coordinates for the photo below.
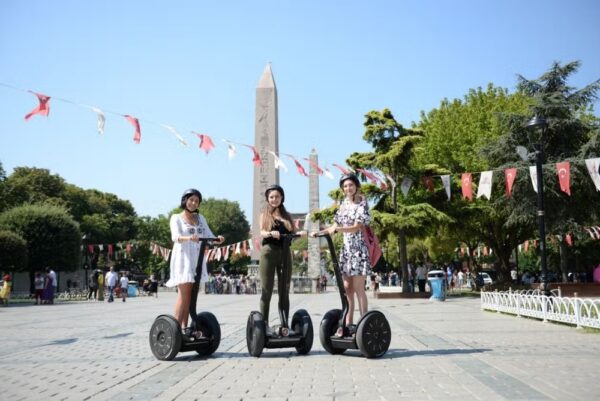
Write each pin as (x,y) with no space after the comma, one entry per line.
(592,166)
(485,185)
(238,247)
(405,186)
(533,175)
(278,162)
(446,182)
(174,132)
(328,174)
(250,245)
(101,119)
(231,151)
(389,177)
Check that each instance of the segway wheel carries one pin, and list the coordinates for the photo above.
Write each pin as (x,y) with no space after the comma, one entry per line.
(329,325)
(302,323)
(373,335)
(256,330)
(165,338)
(209,325)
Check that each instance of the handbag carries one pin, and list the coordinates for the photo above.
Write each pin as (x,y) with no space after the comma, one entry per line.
(372,245)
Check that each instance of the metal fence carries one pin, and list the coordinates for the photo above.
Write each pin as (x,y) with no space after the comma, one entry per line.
(581,312)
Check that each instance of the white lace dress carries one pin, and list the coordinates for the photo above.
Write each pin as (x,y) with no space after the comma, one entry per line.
(184,256)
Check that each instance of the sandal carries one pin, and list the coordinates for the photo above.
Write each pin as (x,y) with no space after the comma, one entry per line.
(339,332)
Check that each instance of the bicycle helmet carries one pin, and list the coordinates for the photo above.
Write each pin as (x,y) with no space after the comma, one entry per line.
(277,188)
(351,177)
(187,193)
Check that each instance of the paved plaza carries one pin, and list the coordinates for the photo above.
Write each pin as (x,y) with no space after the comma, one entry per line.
(440,351)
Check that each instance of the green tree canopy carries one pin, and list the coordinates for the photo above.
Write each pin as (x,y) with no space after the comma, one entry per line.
(13,252)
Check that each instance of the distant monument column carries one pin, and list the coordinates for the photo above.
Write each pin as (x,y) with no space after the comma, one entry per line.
(265,139)
(314,250)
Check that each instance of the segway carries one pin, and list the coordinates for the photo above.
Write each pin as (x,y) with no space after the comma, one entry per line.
(299,335)
(166,337)
(372,334)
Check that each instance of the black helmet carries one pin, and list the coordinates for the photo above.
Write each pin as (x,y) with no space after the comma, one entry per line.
(277,188)
(351,177)
(187,193)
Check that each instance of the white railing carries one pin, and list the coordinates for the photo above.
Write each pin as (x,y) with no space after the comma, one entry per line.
(581,312)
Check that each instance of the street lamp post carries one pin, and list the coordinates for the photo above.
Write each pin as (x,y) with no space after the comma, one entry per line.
(539,123)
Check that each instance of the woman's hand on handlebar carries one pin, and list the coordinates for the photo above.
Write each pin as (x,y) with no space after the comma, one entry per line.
(220,239)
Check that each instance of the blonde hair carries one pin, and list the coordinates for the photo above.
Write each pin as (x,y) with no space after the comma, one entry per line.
(267,218)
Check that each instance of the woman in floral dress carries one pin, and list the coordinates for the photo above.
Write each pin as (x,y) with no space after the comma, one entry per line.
(350,219)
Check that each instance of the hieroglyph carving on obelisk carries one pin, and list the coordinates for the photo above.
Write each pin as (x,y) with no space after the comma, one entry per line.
(265,140)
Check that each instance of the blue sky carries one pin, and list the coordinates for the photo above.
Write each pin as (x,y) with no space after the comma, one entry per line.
(195,65)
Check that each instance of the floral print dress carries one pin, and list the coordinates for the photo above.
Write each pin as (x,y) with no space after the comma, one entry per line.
(354,256)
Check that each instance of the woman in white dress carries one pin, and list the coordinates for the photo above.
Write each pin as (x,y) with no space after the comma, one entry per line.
(186,229)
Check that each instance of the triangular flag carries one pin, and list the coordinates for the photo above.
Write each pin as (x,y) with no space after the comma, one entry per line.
(329,174)
(569,239)
(485,184)
(342,169)
(43,108)
(564,176)
(533,176)
(372,178)
(428,182)
(298,165)
(446,182)
(593,167)
(174,132)
(526,246)
(256,157)
(405,186)
(101,119)
(231,150)
(278,162)
(510,174)
(467,186)
(137,136)
(314,165)
(206,144)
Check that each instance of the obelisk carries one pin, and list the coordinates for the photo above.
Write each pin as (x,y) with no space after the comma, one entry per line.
(265,140)
(314,249)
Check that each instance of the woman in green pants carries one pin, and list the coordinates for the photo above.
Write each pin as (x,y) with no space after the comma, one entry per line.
(274,222)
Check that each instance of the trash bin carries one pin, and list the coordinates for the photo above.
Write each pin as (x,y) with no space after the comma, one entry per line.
(132,290)
(437,283)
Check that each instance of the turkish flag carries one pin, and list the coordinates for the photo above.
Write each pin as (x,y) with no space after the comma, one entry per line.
(206,144)
(342,169)
(315,165)
(510,174)
(466,182)
(569,239)
(137,136)
(43,109)
(256,157)
(564,176)
(526,245)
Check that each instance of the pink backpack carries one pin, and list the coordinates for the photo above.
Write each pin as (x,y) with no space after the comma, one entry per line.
(372,245)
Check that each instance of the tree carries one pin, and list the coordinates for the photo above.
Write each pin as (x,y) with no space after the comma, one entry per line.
(572,135)
(225,218)
(455,134)
(53,237)
(31,185)
(13,252)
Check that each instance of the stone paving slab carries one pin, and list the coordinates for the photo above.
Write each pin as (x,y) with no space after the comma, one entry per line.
(440,351)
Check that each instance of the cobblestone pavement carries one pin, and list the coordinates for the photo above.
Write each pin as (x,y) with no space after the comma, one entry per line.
(440,351)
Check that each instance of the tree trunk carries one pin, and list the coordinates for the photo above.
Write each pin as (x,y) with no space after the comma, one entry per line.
(402,252)
(563,260)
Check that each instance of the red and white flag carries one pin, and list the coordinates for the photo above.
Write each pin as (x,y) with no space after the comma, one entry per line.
(43,108)
(137,136)
(564,176)
(206,144)
(510,174)
(466,183)
(255,156)
(298,165)
(342,169)
(314,165)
